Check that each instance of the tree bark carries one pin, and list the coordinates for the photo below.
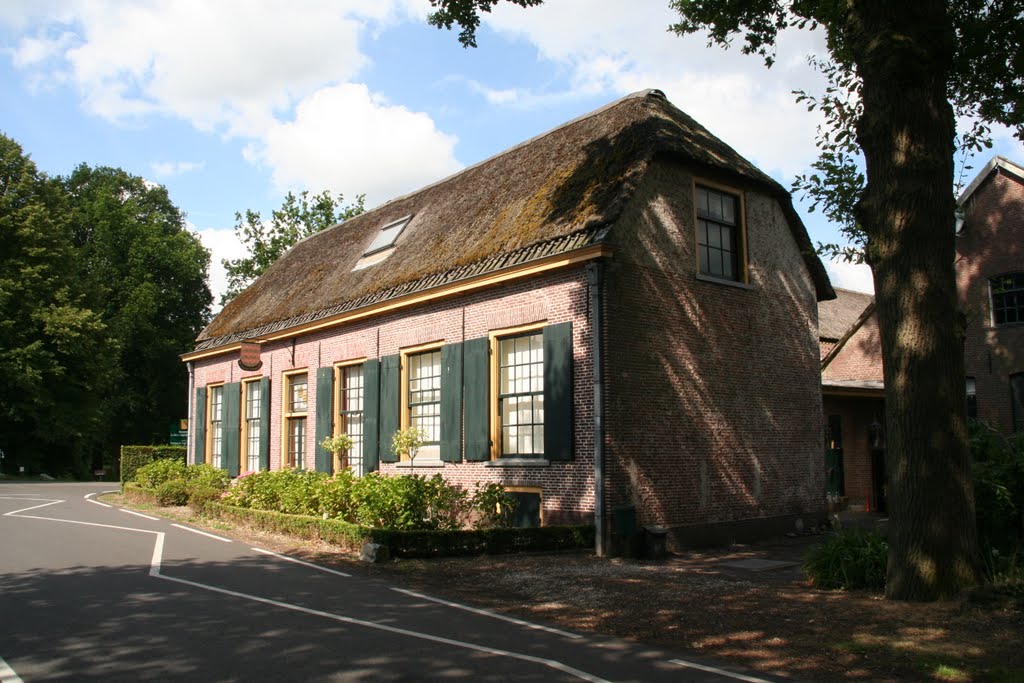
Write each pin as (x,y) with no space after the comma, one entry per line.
(904,53)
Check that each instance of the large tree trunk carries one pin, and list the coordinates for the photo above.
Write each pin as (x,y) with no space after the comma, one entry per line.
(903,52)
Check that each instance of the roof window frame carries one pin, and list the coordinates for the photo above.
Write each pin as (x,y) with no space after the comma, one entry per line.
(400,224)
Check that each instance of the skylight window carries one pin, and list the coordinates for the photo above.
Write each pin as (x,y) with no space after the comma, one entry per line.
(385,239)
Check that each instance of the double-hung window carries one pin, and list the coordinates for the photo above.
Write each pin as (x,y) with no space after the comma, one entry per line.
(521,395)
(216,426)
(719,234)
(1007,292)
(423,397)
(295,411)
(253,397)
(350,416)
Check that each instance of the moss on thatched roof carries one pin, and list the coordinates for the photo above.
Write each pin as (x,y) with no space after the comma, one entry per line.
(548,195)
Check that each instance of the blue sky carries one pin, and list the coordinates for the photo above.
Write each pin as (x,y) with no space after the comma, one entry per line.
(230,104)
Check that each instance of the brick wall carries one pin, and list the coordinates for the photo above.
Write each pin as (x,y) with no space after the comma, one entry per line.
(714,400)
(567,488)
(991,243)
(860,358)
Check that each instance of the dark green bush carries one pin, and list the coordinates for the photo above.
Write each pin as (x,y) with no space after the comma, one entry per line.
(998,471)
(154,474)
(173,492)
(848,559)
(134,457)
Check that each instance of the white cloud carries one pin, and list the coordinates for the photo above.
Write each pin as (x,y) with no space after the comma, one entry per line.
(855,276)
(616,48)
(223,244)
(345,139)
(163,169)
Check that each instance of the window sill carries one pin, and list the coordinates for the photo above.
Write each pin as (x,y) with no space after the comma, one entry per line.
(722,281)
(518,462)
(420,464)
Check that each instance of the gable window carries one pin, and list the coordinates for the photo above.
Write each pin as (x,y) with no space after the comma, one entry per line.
(1007,293)
(350,416)
(1017,400)
(295,412)
(216,426)
(252,394)
(520,420)
(422,397)
(719,233)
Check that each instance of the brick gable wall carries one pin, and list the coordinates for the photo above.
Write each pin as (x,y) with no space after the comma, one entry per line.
(860,358)
(991,243)
(714,402)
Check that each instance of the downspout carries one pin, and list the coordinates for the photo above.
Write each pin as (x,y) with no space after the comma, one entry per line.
(595,280)
(189,445)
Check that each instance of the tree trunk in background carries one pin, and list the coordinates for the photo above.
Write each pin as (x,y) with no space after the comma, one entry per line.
(903,52)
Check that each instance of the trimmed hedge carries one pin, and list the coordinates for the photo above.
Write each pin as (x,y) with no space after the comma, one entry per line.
(410,544)
(134,457)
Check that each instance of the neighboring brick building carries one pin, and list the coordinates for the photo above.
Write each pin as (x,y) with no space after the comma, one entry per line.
(853,399)
(469,308)
(990,278)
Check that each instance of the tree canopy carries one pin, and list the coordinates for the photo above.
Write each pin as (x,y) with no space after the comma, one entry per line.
(899,73)
(298,217)
(102,287)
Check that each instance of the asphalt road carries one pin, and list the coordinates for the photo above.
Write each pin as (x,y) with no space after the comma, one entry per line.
(93,592)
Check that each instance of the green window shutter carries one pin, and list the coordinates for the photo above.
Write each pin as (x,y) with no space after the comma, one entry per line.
(476,380)
(558,406)
(371,414)
(232,427)
(265,424)
(199,426)
(390,378)
(324,414)
(451,402)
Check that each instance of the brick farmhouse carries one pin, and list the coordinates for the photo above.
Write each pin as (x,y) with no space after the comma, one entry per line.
(619,312)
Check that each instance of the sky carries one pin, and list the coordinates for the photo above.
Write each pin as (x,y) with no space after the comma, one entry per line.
(231,104)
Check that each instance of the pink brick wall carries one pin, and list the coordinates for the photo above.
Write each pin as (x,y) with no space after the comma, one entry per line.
(861,356)
(991,243)
(567,488)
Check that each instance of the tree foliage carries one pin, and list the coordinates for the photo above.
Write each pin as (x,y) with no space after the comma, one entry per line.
(147,276)
(466,13)
(101,289)
(898,74)
(299,217)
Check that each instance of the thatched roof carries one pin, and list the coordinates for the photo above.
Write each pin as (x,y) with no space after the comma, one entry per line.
(837,316)
(558,192)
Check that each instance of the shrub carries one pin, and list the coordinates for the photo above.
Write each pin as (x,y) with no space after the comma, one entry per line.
(199,496)
(207,476)
(493,507)
(848,559)
(154,474)
(998,470)
(134,457)
(172,492)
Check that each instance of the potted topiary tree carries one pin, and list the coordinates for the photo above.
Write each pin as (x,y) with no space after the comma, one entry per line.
(337,446)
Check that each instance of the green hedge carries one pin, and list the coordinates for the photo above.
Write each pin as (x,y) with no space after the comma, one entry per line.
(134,457)
(409,544)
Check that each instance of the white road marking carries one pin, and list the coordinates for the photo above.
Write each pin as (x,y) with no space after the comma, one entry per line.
(7,674)
(302,562)
(139,514)
(34,507)
(154,571)
(486,613)
(96,502)
(720,672)
(90,495)
(551,663)
(202,533)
